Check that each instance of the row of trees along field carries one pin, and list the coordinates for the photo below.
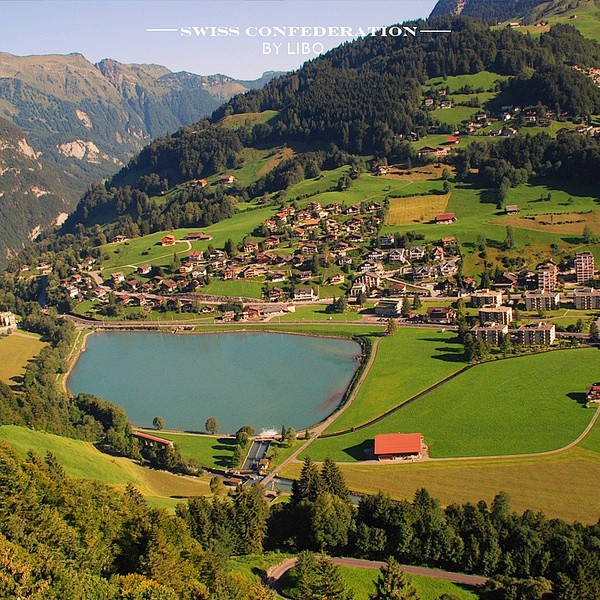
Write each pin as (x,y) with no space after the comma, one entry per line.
(547,557)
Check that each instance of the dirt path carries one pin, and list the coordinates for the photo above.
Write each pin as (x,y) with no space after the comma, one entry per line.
(274,574)
(318,430)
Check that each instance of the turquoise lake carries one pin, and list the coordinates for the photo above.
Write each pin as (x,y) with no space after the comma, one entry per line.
(261,379)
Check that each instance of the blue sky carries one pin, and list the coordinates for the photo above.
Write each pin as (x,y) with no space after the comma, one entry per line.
(118,29)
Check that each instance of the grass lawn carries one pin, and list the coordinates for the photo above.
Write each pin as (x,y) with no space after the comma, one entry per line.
(361,581)
(517,406)
(251,118)
(333,329)
(234,287)
(416,209)
(316,312)
(16,350)
(455,115)
(397,374)
(82,459)
(211,452)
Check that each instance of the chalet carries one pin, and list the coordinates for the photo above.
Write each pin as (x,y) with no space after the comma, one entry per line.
(353,210)
(417,253)
(119,239)
(398,446)
(443,315)
(198,236)
(448,268)
(337,279)
(277,276)
(169,285)
(357,289)
(304,294)
(397,255)
(249,272)
(132,284)
(186,268)
(151,440)
(370,267)
(144,269)
(288,211)
(228,273)
(429,151)
(271,225)
(311,223)
(344,260)
(452,139)
(506,281)
(299,233)
(314,206)
(272,242)
(424,273)
(388,308)
(302,215)
(592,394)
(536,334)
(445,218)
(334,208)
(371,281)
(356,238)
(439,254)
(168,240)
(275,294)
(117,278)
(509,132)
(226,179)
(305,276)
(428,102)
(198,182)
(386,241)
(397,289)
(511,209)
(374,207)
(250,247)
(309,248)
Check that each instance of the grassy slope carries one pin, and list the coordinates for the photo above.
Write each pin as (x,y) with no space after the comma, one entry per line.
(82,459)
(487,410)
(398,373)
(16,350)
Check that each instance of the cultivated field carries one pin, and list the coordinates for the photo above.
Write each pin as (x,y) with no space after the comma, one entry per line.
(16,350)
(416,209)
(485,80)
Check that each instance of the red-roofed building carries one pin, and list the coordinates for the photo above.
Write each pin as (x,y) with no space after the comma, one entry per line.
(452,140)
(398,446)
(151,440)
(445,218)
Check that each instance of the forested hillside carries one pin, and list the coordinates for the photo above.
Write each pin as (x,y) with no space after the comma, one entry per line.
(362,98)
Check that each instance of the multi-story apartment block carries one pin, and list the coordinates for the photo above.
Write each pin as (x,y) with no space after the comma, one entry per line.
(496,314)
(486,297)
(490,332)
(586,299)
(542,300)
(584,267)
(546,276)
(537,334)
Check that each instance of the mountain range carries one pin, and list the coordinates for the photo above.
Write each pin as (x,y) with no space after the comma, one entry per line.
(80,122)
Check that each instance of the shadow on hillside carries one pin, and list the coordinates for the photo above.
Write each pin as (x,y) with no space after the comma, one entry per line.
(362,451)
(442,340)
(579,397)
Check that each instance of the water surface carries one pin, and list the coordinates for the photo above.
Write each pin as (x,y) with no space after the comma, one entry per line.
(261,379)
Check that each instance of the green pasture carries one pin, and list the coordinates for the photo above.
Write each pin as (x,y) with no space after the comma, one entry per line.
(317,312)
(517,406)
(250,288)
(147,249)
(484,79)
(82,460)
(455,115)
(247,119)
(398,373)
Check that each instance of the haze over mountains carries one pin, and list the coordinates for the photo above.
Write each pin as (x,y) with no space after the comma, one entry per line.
(74,122)
(490,11)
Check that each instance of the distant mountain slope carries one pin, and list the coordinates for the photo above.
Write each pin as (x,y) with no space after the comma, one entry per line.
(88,120)
(490,11)
(34,192)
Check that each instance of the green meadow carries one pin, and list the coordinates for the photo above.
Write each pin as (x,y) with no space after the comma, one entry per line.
(485,80)
(398,373)
(516,406)
(16,350)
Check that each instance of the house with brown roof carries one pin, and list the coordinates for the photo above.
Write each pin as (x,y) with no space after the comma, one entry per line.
(168,240)
(443,315)
(445,218)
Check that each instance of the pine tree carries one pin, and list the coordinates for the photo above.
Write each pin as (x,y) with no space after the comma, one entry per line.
(392,584)
(310,484)
(417,303)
